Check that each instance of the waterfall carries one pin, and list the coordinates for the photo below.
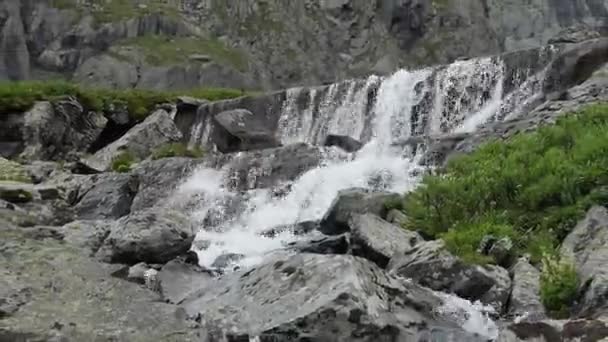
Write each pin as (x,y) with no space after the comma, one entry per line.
(377,111)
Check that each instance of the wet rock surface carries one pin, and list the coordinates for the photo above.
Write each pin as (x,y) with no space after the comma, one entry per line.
(431,265)
(353,201)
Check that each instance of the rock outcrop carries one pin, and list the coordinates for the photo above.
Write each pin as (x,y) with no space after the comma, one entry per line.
(587,247)
(235,43)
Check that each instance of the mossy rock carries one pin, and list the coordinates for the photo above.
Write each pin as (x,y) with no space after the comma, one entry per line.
(14,172)
(16,192)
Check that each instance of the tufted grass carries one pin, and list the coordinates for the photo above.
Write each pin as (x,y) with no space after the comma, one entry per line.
(533,188)
(20,96)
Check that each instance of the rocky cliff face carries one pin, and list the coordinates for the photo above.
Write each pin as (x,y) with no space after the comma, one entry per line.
(266,44)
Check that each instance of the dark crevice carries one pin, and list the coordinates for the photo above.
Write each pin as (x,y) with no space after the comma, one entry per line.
(110,133)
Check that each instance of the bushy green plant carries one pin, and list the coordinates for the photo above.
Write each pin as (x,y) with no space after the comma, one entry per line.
(20,96)
(123,161)
(465,238)
(177,150)
(559,284)
(538,183)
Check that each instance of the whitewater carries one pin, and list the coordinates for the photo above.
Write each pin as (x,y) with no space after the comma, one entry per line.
(428,102)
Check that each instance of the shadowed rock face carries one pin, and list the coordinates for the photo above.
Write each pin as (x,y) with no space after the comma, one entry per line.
(324,40)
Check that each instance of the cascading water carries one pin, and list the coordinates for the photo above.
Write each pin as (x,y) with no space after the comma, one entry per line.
(457,98)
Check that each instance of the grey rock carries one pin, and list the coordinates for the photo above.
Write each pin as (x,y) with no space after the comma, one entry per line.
(270,167)
(16,192)
(525,295)
(244,131)
(60,129)
(587,247)
(575,34)
(377,240)
(137,272)
(87,235)
(150,236)
(67,276)
(318,243)
(41,171)
(353,201)
(318,297)
(15,62)
(179,280)
(156,130)
(501,250)
(397,217)
(344,142)
(298,229)
(225,260)
(106,196)
(576,64)
(567,331)
(159,178)
(106,71)
(430,264)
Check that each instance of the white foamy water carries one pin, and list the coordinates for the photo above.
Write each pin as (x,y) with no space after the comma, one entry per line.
(457,98)
(472,317)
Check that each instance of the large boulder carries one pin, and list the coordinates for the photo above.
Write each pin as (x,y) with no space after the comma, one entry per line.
(525,294)
(158,178)
(576,64)
(106,196)
(345,142)
(151,236)
(242,131)
(430,264)
(548,331)
(319,298)
(87,235)
(587,247)
(270,167)
(60,130)
(156,130)
(377,240)
(178,280)
(354,201)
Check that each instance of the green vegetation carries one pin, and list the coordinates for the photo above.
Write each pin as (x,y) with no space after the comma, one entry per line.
(20,96)
(165,50)
(558,286)
(177,150)
(13,172)
(105,11)
(123,162)
(533,188)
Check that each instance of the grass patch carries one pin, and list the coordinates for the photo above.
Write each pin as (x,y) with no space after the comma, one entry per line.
(20,96)
(558,286)
(533,188)
(123,162)
(13,172)
(165,50)
(177,150)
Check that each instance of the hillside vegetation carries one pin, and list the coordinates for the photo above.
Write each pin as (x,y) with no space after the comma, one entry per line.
(20,96)
(532,189)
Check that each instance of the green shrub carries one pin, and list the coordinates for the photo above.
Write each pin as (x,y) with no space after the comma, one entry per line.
(558,285)
(123,161)
(394,204)
(20,96)
(539,183)
(465,238)
(177,150)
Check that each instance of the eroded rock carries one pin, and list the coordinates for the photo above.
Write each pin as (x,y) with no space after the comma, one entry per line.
(151,236)
(587,247)
(318,297)
(156,130)
(377,240)
(430,264)
(353,201)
